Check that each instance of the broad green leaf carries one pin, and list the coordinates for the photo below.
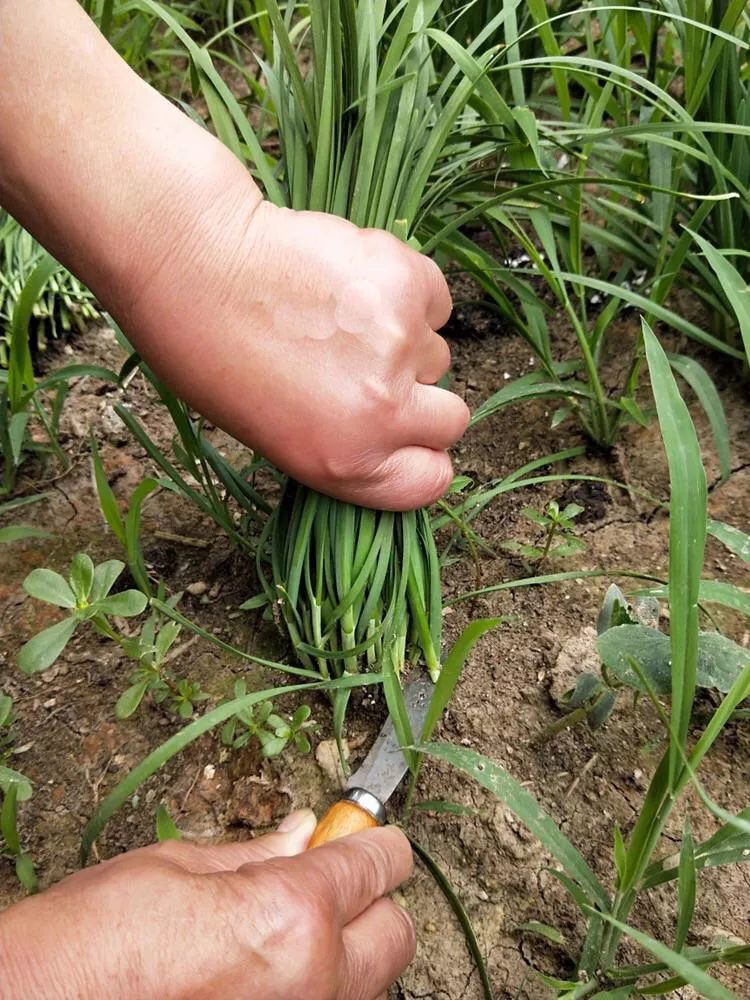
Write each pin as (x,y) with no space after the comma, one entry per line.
(523,804)
(46,585)
(45,647)
(82,576)
(130,699)
(10,778)
(719,660)
(712,591)
(125,605)
(165,825)
(105,575)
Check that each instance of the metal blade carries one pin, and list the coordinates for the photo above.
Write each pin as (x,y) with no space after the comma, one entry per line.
(384,766)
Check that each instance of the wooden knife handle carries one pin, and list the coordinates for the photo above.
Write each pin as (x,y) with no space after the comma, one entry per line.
(357,810)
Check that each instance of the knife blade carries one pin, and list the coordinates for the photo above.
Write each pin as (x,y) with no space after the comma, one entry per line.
(362,805)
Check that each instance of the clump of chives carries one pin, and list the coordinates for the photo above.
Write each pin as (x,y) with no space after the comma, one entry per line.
(358,589)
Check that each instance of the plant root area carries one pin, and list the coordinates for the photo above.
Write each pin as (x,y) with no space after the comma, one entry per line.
(75,751)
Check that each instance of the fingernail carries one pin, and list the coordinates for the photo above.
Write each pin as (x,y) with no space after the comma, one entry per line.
(296,820)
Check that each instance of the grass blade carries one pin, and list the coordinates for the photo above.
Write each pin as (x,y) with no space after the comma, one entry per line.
(687,537)
(523,804)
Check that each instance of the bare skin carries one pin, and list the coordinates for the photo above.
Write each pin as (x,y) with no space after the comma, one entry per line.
(304,336)
(263,919)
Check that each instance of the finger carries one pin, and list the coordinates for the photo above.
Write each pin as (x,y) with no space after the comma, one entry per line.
(436,418)
(434,359)
(349,874)
(409,478)
(378,946)
(439,303)
(290,839)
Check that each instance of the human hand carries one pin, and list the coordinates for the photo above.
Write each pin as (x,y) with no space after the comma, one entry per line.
(313,341)
(262,919)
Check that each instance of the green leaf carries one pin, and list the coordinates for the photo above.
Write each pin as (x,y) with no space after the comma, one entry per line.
(706,985)
(687,537)
(685,888)
(25,873)
(10,778)
(127,604)
(17,434)
(6,710)
(702,385)
(619,853)
(734,539)
(253,603)
(16,532)
(82,576)
(46,585)
(131,698)
(105,575)
(543,930)
(45,647)
(165,825)
(442,806)
(719,660)
(733,285)
(451,671)
(523,804)
(9,820)
(107,500)
(463,917)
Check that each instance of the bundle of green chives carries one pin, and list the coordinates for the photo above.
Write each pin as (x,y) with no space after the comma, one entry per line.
(63,303)
(357,588)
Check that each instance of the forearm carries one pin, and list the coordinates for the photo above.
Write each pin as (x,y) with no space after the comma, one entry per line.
(103,170)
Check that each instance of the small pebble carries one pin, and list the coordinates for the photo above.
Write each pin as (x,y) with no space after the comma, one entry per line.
(197,588)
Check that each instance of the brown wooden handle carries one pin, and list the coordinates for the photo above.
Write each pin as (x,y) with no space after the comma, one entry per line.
(341,819)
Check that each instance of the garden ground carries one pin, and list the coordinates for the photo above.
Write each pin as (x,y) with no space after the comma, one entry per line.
(75,751)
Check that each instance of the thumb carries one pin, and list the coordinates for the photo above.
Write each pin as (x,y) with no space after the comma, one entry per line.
(291,838)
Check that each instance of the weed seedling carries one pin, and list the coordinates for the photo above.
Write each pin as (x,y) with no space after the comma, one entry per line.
(260,722)
(559,538)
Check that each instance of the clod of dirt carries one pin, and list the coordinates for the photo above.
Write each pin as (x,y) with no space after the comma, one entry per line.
(255,802)
(578,655)
(329,762)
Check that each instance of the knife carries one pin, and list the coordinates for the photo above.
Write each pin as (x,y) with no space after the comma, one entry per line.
(362,805)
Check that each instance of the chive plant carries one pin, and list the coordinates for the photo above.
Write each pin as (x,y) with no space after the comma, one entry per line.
(62,304)
(603,219)
(370,132)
